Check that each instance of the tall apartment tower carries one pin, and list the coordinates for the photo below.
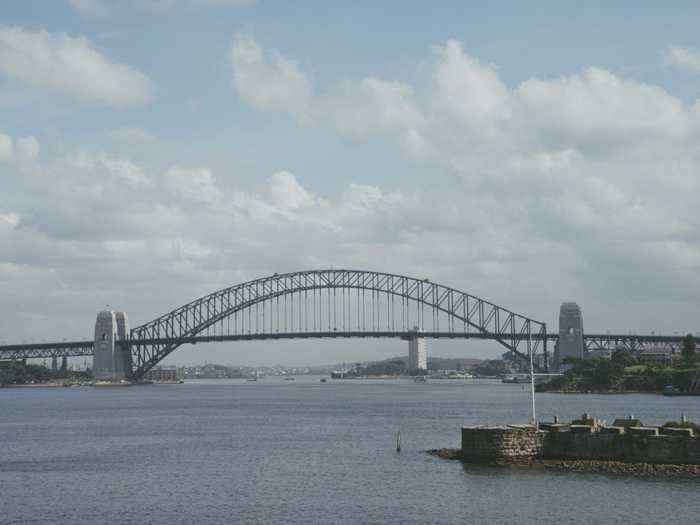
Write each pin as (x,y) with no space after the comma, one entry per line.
(111,362)
(570,333)
(417,353)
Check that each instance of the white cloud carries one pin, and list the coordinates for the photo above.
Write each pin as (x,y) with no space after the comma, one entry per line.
(466,88)
(8,222)
(165,6)
(27,147)
(18,149)
(362,197)
(601,167)
(268,80)
(118,170)
(132,139)
(287,193)
(125,170)
(227,2)
(80,212)
(193,184)
(89,8)
(6,147)
(684,58)
(167,248)
(596,106)
(372,104)
(69,65)
(578,187)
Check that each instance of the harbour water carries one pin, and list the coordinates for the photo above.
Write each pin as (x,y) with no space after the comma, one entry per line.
(303,451)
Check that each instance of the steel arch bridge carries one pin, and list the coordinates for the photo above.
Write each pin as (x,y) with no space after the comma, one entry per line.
(333,303)
(317,304)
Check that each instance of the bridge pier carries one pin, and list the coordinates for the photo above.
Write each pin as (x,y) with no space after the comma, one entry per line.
(417,353)
(570,342)
(111,361)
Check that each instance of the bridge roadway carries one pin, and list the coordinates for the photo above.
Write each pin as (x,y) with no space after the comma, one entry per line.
(86,348)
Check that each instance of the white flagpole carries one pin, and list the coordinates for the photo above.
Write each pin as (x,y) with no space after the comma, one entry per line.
(533,418)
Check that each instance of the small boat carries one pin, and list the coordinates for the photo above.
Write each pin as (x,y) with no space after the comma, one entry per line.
(452,375)
(257,376)
(516,379)
(420,379)
(323,380)
(670,390)
(289,378)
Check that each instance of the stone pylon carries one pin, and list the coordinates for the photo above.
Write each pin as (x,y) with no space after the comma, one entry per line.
(111,361)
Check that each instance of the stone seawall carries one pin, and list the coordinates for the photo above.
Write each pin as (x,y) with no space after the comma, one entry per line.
(621,447)
(485,443)
(501,442)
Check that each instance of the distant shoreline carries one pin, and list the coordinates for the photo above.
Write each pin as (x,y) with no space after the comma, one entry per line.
(44,385)
(91,384)
(603,392)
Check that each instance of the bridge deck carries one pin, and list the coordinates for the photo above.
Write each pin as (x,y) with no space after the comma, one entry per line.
(85,348)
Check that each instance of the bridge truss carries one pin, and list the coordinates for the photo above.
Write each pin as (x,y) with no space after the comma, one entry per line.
(46,350)
(631,342)
(334,303)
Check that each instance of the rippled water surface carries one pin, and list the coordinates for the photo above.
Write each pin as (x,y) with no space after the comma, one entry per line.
(303,451)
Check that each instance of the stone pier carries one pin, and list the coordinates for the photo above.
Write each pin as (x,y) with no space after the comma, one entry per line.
(641,444)
(501,442)
(417,352)
(111,361)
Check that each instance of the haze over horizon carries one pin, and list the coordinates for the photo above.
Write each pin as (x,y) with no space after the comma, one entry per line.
(153,151)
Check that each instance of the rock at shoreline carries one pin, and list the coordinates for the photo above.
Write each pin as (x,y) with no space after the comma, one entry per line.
(446,453)
(619,467)
(656,470)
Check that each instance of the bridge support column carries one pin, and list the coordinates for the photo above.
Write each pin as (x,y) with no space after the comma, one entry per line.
(111,361)
(417,353)
(570,343)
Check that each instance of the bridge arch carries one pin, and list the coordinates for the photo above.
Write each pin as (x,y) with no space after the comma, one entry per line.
(464,314)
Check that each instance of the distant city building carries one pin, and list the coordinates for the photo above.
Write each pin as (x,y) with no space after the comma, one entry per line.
(570,342)
(167,374)
(656,356)
(417,353)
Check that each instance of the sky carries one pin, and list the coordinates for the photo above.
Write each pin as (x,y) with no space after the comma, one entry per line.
(153,151)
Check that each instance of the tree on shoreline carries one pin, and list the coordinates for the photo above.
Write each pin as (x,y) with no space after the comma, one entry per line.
(688,352)
(623,357)
(590,374)
(17,373)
